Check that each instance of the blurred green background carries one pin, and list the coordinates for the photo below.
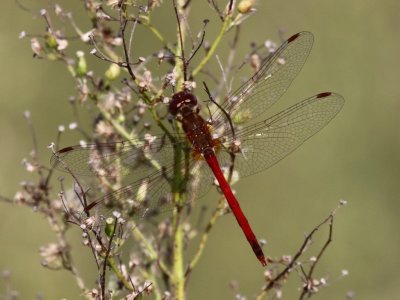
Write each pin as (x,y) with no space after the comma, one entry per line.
(356,53)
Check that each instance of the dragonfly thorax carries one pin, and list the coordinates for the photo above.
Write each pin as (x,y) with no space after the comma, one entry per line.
(182,102)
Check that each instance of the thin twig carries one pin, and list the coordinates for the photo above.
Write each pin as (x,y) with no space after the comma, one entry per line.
(213,47)
(309,280)
(229,64)
(204,238)
(6,199)
(123,23)
(186,5)
(193,54)
(273,282)
(131,38)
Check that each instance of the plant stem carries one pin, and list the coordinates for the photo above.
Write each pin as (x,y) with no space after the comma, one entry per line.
(117,272)
(204,237)
(178,269)
(179,276)
(152,254)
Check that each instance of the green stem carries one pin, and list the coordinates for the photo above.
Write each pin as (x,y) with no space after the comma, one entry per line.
(204,237)
(117,272)
(178,273)
(213,47)
(155,287)
(178,278)
(151,253)
(157,34)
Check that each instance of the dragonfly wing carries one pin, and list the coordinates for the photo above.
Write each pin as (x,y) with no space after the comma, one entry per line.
(145,191)
(265,143)
(146,197)
(267,85)
(131,159)
(201,179)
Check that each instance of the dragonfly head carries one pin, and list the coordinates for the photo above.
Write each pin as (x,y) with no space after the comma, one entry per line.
(182,100)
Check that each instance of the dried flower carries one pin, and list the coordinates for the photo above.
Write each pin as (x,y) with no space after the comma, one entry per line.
(85,37)
(104,129)
(51,255)
(146,80)
(36,47)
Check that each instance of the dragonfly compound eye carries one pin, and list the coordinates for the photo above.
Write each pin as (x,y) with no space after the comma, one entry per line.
(182,99)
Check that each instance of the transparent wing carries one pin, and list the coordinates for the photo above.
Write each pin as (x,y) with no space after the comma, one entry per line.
(267,85)
(145,170)
(267,142)
(148,196)
(116,159)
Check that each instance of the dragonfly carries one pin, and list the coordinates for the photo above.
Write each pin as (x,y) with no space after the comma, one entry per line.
(235,136)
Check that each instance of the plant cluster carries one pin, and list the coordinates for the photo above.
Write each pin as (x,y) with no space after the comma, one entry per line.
(128,103)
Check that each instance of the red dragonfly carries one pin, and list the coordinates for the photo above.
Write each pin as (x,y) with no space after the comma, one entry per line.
(221,142)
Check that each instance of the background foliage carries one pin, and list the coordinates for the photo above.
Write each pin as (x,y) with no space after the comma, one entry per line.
(354,158)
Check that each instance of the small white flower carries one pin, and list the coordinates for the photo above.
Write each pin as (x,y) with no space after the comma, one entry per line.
(80,53)
(270,45)
(22,34)
(28,165)
(344,272)
(86,37)
(281,61)
(36,47)
(58,10)
(149,138)
(323,281)
(62,44)
(116,214)
(97,247)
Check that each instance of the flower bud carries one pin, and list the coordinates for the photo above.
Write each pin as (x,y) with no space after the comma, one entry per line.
(81,66)
(109,229)
(51,41)
(245,6)
(113,72)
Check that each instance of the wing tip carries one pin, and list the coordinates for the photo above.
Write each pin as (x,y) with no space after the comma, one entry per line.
(66,149)
(323,95)
(301,34)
